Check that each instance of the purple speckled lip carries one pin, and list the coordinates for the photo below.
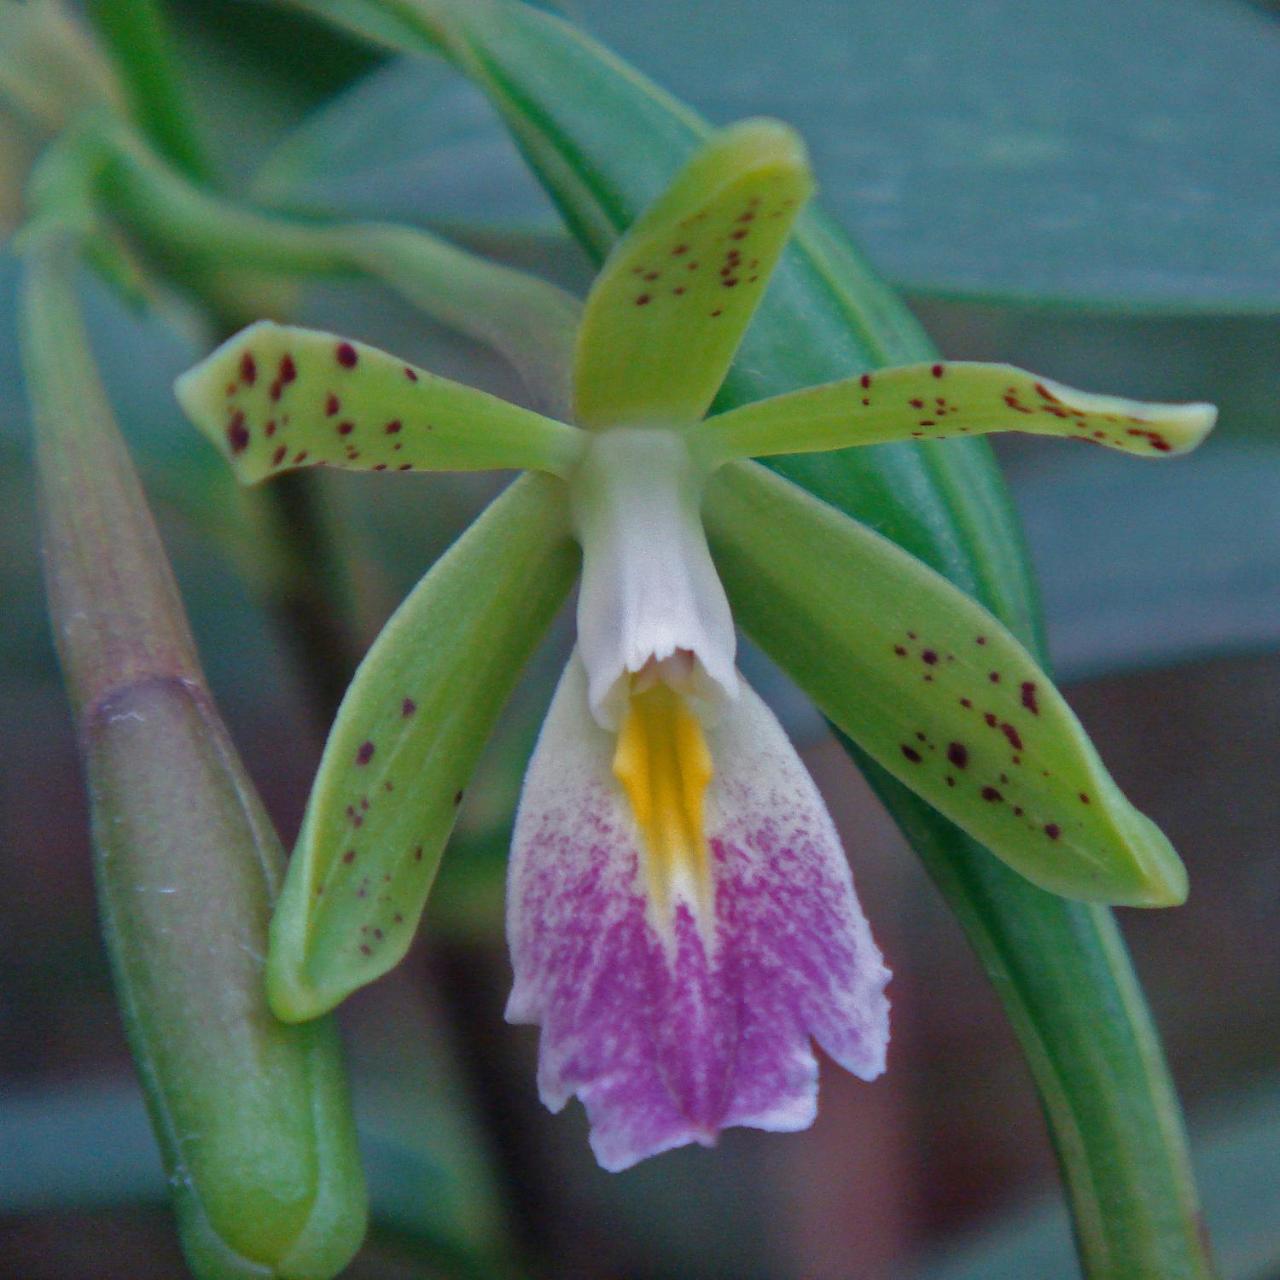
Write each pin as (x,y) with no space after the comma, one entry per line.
(670,1028)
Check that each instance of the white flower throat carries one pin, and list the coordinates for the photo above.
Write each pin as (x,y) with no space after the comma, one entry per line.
(656,637)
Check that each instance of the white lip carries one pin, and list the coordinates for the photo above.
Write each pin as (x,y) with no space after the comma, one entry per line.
(649,588)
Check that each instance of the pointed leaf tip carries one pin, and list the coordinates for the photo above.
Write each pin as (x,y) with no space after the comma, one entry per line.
(275,397)
(671,303)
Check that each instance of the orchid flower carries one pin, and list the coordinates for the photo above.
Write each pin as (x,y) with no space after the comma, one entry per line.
(681,916)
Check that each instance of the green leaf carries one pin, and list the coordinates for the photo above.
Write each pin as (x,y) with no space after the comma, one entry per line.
(1120,161)
(252,1117)
(402,750)
(942,400)
(275,398)
(669,307)
(1109,153)
(934,689)
(605,141)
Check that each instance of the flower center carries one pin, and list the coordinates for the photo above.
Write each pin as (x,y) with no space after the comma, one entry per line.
(664,764)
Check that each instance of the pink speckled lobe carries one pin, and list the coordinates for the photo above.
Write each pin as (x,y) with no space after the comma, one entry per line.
(669,1028)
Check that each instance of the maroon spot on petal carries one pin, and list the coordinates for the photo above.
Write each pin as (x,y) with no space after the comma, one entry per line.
(958,754)
(457,798)
(1084,797)
(864,381)
(365,753)
(1017,811)
(346,428)
(716,312)
(966,704)
(1029,697)
(417,854)
(411,374)
(916,404)
(980,639)
(991,795)
(364,946)
(930,657)
(349,857)
(678,290)
(237,433)
(288,370)
(331,405)
(911,753)
(405,466)
(644,299)
(248,369)
(393,427)
(730,282)
(1052,830)
(937,371)
(346,356)
(300,456)
(993,676)
(270,429)
(379,466)
(679,250)
(278,457)
(951,782)
(911,635)
(408,707)
(992,719)
(1046,394)
(900,650)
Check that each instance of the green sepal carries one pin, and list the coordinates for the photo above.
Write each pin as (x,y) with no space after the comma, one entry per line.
(673,299)
(943,399)
(402,750)
(275,398)
(934,688)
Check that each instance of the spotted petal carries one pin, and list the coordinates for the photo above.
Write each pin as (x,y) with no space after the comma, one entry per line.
(934,401)
(274,398)
(671,303)
(672,1022)
(934,688)
(406,739)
